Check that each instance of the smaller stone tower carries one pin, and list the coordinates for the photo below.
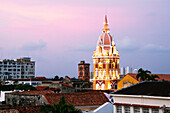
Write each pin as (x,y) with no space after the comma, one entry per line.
(84,71)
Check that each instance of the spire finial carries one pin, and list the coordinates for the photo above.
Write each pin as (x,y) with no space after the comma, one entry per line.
(105,19)
(105,29)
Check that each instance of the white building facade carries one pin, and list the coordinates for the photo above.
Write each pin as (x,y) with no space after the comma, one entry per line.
(140,103)
(17,69)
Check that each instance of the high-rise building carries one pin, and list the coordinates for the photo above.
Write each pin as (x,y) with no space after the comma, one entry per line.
(127,69)
(105,62)
(84,71)
(122,71)
(91,76)
(17,69)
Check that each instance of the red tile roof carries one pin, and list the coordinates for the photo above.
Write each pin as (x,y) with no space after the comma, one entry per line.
(68,78)
(63,84)
(55,89)
(42,87)
(35,92)
(78,99)
(165,77)
(41,77)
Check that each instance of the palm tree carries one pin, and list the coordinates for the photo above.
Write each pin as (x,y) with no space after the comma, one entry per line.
(61,107)
(47,108)
(143,74)
(153,77)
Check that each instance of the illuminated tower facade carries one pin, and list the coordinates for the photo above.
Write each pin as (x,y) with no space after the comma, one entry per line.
(105,62)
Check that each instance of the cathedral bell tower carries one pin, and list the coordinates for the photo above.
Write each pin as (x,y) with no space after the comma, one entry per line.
(105,62)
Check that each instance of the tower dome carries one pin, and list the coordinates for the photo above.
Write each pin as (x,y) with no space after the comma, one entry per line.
(105,43)
(105,40)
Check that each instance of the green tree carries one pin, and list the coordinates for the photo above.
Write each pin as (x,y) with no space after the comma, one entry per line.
(56,77)
(153,77)
(143,74)
(61,78)
(61,107)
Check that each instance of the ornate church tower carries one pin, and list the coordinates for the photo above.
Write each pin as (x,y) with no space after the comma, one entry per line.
(105,62)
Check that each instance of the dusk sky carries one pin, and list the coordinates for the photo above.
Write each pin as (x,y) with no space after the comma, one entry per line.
(58,34)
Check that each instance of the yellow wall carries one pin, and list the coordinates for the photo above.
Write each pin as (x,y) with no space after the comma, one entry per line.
(125,79)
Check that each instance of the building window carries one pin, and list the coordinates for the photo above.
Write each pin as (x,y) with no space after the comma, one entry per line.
(86,68)
(155,110)
(81,73)
(86,74)
(104,73)
(27,83)
(110,65)
(96,73)
(34,83)
(127,109)
(118,109)
(136,109)
(81,68)
(145,110)
(116,86)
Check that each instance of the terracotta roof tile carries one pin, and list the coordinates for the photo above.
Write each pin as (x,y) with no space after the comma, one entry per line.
(40,77)
(165,77)
(63,84)
(42,87)
(55,89)
(78,99)
(68,78)
(22,109)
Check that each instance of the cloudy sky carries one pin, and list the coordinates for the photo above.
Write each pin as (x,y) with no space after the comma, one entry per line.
(57,34)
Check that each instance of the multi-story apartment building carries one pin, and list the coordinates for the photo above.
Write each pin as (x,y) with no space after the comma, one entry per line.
(122,71)
(17,69)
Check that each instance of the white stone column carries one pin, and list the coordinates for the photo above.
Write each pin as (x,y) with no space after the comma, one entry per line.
(160,111)
(140,109)
(114,108)
(131,109)
(150,110)
(123,109)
